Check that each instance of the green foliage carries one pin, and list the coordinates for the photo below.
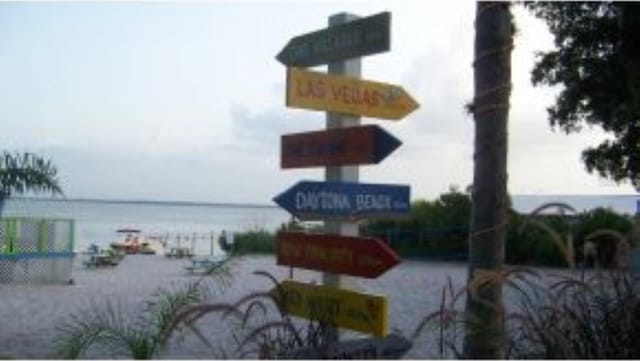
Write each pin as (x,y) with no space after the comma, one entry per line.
(597,219)
(20,173)
(436,227)
(533,245)
(109,330)
(249,242)
(115,331)
(590,62)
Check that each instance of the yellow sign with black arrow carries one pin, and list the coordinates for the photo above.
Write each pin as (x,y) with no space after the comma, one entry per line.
(339,307)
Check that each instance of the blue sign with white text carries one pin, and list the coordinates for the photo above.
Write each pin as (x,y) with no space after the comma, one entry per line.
(309,200)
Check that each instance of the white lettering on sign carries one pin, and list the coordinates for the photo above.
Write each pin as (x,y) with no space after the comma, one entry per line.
(373,202)
(321,200)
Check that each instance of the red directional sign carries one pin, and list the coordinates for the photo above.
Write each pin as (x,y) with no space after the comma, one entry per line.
(336,147)
(355,256)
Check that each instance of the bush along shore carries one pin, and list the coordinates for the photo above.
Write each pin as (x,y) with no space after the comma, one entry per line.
(438,230)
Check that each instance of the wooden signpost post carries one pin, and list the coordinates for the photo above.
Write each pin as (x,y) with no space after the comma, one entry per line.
(347,95)
(343,308)
(336,147)
(355,256)
(341,200)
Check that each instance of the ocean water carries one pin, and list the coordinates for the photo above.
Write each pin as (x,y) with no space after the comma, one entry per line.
(625,204)
(97,221)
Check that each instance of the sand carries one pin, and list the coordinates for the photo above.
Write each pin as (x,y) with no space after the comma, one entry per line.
(29,314)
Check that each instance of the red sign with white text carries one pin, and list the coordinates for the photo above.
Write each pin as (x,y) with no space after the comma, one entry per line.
(355,256)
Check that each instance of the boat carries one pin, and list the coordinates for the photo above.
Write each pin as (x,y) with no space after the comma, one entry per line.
(135,243)
(130,244)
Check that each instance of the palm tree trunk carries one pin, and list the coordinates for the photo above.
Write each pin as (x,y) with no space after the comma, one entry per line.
(484,332)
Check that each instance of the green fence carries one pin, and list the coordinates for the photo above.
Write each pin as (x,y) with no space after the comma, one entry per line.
(36,250)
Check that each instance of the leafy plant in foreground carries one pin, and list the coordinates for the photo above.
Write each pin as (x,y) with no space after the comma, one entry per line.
(108,329)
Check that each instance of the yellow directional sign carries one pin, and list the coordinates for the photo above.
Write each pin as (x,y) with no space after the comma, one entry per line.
(341,94)
(343,308)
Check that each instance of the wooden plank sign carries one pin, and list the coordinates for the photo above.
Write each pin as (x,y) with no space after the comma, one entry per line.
(342,308)
(355,256)
(356,38)
(391,347)
(310,200)
(347,95)
(336,147)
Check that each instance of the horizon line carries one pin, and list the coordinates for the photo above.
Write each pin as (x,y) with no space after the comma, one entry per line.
(249,204)
(144,201)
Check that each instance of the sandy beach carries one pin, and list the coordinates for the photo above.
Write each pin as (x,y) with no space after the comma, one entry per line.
(29,314)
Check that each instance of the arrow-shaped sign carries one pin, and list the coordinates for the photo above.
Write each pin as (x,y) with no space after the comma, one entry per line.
(309,200)
(336,147)
(347,95)
(355,256)
(340,307)
(360,37)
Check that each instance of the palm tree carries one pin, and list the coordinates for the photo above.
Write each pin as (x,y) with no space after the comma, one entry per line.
(20,173)
(484,332)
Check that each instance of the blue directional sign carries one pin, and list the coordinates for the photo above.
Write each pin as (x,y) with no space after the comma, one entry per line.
(309,200)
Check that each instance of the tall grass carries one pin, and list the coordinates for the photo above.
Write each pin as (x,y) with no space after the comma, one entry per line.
(259,324)
(575,315)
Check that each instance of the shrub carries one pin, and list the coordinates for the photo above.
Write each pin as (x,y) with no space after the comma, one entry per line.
(597,219)
(249,242)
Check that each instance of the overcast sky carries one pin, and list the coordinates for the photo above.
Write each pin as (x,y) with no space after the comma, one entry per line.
(186,101)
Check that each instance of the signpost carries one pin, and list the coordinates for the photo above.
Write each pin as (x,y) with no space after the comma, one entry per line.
(343,308)
(388,348)
(335,147)
(347,95)
(308,200)
(351,39)
(355,256)
(341,200)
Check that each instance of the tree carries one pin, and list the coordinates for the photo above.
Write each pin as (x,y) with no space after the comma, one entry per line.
(484,332)
(20,173)
(597,61)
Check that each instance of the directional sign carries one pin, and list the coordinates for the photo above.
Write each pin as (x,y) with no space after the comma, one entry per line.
(355,256)
(361,37)
(342,308)
(336,147)
(310,200)
(347,95)
(391,347)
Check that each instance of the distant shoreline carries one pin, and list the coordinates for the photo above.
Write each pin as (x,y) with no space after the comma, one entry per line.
(522,203)
(148,202)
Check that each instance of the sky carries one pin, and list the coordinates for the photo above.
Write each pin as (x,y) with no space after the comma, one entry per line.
(186,101)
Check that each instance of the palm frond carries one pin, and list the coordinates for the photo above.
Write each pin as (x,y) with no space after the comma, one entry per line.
(20,173)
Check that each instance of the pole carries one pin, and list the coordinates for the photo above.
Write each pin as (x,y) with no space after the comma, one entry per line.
(352,68)
(212,242)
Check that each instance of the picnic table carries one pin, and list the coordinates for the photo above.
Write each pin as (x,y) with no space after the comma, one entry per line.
(100,260)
